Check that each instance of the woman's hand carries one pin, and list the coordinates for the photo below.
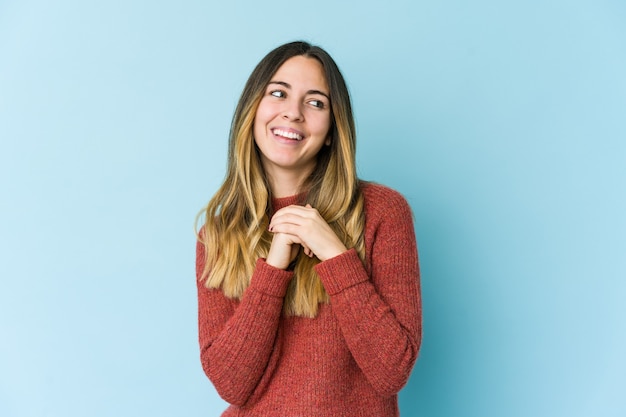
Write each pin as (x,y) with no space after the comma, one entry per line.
(305,226)
(283,250)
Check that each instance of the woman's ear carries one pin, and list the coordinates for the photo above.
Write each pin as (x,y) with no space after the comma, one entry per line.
(327,141)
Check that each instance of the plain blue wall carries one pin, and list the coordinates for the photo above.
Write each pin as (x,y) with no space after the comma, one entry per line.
(503,123)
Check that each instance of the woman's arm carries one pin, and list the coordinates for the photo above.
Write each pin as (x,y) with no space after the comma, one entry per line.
(237,343)
(380,313)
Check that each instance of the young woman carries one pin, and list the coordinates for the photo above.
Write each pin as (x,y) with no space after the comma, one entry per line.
(308,280)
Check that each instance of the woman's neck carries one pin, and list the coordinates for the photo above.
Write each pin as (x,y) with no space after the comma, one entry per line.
(286,183)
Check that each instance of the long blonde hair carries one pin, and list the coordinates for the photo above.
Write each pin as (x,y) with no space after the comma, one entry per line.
(235,233)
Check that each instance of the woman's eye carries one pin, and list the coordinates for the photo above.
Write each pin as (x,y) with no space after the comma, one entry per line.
(277,93)
(317,103)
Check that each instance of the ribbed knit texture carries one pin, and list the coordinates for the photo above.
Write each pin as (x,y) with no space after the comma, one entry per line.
(350,360)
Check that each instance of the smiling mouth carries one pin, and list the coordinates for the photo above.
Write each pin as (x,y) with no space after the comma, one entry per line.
(287,134)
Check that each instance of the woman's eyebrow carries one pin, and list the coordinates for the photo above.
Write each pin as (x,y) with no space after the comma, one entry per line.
(287,85)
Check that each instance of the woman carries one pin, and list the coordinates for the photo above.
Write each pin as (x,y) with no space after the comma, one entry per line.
(308,282)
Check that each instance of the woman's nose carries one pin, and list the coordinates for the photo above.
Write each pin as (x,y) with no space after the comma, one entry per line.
(292,111)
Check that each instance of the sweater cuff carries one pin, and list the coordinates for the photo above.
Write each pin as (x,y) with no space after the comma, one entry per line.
(341,272)
(269,280)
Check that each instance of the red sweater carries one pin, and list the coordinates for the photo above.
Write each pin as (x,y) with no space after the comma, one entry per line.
(350,360)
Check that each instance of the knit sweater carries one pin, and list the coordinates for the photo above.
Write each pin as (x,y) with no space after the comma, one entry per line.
(352,358)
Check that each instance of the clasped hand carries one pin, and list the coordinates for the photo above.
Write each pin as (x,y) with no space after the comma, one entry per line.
(304,226)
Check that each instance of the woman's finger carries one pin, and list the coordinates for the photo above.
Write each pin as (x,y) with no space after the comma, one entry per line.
(287,218)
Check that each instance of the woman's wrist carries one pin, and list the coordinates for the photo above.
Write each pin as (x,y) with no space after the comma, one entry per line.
(332,252)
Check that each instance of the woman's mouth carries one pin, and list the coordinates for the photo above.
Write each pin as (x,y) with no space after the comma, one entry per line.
(287,134)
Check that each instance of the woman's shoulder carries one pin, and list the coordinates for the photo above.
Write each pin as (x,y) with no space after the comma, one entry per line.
(380,198)
(374,192)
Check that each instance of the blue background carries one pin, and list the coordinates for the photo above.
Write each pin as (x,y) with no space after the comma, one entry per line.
(503,123)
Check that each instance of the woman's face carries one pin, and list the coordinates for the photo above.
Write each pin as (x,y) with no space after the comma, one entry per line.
(293,119)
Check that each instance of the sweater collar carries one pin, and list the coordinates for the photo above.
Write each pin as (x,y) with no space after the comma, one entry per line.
(281,202)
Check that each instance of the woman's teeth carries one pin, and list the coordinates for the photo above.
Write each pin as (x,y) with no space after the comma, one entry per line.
(288,135)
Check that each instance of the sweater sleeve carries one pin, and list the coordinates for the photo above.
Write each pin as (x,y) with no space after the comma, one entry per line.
(237,342)
(380,313)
